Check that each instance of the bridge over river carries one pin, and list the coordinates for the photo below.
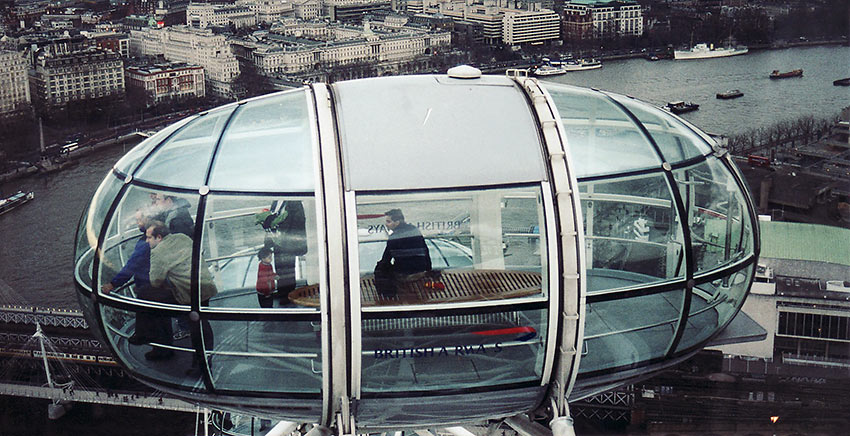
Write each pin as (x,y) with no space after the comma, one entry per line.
(72,353)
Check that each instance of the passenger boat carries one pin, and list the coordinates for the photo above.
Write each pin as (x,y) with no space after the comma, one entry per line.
(732,93)
(581,64)
(704,51)
(14,201)
(793,73)
(842,82)
(680,107)
(548,70)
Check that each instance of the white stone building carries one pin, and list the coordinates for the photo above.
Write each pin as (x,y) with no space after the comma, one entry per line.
(530,27)
(203,15)
(14,83)
(286,51)
(268,11)
(307,9)
(193,46)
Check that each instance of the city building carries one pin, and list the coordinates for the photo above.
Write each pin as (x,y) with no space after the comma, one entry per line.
(60,78)
(317,50)
(585,19)
(530,26)
(162,82)
(801,296)
(203,15)
(489,17)
(14,83)
(269,11)
(352,10)
(307,9)
(193,46)
(114,41)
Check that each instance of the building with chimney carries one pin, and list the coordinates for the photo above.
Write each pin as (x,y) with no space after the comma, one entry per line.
(155,83)
(60,78)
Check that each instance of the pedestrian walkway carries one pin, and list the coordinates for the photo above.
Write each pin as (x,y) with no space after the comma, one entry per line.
(119,398)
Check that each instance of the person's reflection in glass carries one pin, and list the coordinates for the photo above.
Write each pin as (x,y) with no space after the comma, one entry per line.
(286,236)
(405,255)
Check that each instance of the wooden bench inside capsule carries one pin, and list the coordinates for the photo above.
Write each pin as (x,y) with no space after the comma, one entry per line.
(449,286)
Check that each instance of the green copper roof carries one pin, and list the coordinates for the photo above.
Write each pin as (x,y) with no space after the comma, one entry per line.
(783,240)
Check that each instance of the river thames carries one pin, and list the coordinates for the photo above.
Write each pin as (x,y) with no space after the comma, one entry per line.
(37,239)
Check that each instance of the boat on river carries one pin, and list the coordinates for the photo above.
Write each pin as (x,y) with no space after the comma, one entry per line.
(581,65)
(680,107)
(548,70)
(793,73)
(704,51)
(732,93)
(13,201)
(842,82)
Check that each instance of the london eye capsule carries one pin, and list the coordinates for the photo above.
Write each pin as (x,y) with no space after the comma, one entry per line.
(415,251)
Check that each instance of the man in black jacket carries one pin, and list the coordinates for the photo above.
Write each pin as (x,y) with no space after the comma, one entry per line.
(406,254)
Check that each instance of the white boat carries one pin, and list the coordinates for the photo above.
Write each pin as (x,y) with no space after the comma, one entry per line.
(581,64)
(13,201)
(548,70)
(704,51)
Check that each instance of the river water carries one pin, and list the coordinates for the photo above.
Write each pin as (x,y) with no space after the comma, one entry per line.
(36,240)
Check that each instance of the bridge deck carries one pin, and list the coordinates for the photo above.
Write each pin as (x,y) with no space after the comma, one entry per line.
(97,396)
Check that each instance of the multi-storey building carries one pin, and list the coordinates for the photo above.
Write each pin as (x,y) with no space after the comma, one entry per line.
(14,84)
(353,10)
(268,11)
(114,41)
(530,27)
(306,9)
(802,298)
(203,15)
(159,82)
(334,47)
(607,19)
(489,16)
(194,46)
(61,78)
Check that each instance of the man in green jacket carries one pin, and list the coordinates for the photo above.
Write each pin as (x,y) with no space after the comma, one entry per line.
(171,277)
(171,264)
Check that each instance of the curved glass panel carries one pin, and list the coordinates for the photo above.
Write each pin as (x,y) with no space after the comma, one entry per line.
(126,268)
(632,235)
(453,351)
(267,147)
(415,132)
(602,138)
(721,231)
(183,160)
(437,248)
(676,142)
(92,223)
(266,356)
(264,251)
(713,304)
(129,161)
(160,356)
(614,336)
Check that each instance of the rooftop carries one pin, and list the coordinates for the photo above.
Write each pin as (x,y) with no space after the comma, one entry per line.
(813,242)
